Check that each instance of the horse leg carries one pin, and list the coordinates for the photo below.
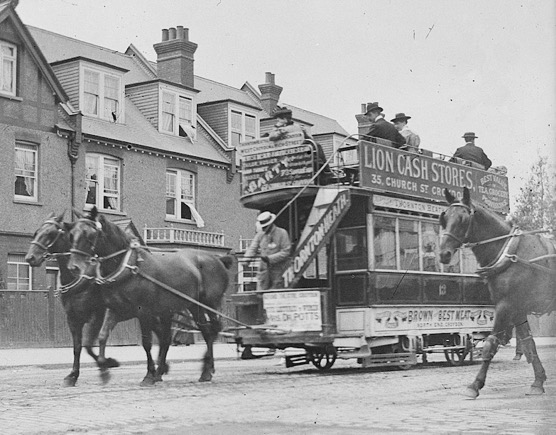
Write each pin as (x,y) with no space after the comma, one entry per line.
(501,324)
(108,324)
(147,340)
(164,333)
(91,333)
(529,349)
(76,329)
(209,329)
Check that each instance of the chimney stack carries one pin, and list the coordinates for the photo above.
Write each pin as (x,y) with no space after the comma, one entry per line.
(175,56)
(363,122)
(270,93)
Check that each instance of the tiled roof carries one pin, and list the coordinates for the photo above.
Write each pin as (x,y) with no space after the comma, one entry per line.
(139,131)
(320,124)
(214,91)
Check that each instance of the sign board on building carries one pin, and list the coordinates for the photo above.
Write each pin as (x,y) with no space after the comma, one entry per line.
(396,171)
(294,310)
(267,165)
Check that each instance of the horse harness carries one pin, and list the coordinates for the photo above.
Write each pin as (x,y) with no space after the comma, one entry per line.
(507,254)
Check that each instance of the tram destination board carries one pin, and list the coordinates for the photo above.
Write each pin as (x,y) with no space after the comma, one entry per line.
(400,172)
(267,165)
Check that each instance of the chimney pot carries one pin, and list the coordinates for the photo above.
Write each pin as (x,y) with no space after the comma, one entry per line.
(363,108)
(172,33)
(186,33)
(164,35)
(179,32)
(269,78)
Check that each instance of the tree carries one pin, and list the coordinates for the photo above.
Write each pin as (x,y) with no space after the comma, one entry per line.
(536,201)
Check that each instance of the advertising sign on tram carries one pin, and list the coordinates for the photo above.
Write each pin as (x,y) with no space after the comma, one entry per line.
(397,171)
(294,311)
(268,165)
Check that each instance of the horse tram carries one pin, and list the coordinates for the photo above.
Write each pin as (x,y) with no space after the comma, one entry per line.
(363,280)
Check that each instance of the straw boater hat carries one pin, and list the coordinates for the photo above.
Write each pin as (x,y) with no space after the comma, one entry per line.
(373,106)
(281,112)
(265,219)
(401,117)
(470,134)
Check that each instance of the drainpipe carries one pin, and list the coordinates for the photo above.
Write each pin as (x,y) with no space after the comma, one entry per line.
(74,141)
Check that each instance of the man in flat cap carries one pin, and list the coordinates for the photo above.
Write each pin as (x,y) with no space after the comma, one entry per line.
(412,139)
(472,152)
(382,128)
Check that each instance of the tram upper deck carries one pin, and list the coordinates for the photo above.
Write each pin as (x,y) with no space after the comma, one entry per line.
(275,171)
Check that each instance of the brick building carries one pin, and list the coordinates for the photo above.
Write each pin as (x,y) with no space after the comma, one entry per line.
(146,141)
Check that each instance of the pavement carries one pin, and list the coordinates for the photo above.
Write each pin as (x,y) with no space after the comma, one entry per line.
(55,356)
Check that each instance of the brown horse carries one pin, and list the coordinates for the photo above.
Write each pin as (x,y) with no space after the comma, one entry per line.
(520,268)
(152,287)
(82,302)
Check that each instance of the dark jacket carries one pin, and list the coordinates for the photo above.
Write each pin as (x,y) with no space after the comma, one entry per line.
(385,130)
(473,153)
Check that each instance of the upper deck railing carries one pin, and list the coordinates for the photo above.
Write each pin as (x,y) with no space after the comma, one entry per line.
(183,236)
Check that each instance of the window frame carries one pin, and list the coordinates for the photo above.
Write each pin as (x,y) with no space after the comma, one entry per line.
(18,265)
(102,95)
(182,127)
(443,269)
(242,131)
(100,193)
(27,147)
(178,199)
(13,60)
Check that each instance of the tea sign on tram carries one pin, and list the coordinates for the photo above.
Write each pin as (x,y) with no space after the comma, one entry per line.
(364,280)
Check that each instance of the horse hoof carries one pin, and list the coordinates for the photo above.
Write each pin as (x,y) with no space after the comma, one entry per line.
(111,363)
(205,378)
(158,378)
(147,382)
(535,391)
(470,393)
(69,382)
(105,377)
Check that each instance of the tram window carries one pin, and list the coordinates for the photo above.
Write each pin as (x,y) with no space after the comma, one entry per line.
(385,242)
(351,289)
(397,288)
(351,249)
(429,247)
(409,244)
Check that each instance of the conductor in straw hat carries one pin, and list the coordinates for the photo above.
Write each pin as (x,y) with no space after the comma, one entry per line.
(412,139)
(472,152)
(273,245)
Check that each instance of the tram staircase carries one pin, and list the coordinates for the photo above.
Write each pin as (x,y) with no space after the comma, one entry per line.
(330,205)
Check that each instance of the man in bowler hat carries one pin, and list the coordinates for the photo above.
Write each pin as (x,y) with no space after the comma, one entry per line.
(382,128)
(472,152)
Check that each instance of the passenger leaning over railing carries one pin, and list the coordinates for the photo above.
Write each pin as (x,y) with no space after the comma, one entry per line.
(382,128)
(285,125)
(471,152)
(412,139)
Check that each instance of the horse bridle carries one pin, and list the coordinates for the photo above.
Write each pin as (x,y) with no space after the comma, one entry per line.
(59,233)
(468,230)
(90,256)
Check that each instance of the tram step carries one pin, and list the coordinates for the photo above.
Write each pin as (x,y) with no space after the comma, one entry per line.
(296,360)
(364,352)
(390,359)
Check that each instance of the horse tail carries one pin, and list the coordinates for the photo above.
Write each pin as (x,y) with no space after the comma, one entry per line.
(227,261)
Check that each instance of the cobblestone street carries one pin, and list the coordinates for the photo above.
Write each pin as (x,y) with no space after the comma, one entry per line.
(261,397)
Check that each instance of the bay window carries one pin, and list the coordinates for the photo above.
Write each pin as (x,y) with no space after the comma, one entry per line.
(103,182)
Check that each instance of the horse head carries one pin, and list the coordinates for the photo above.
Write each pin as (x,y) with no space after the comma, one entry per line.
(456,221)
(51,238)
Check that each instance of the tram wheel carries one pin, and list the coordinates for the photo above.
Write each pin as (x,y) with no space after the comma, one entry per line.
(455,356)
(322,358)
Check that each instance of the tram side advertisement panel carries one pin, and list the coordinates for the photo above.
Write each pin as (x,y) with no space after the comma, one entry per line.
(294,310)
(400,319)
(400,172)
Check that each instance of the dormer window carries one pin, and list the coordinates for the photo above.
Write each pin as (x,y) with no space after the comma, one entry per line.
(8,57)
(176,114)
(102,95)
(243,127)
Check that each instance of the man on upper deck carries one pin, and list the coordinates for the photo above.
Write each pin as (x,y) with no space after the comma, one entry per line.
(472,152)
(382,128)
